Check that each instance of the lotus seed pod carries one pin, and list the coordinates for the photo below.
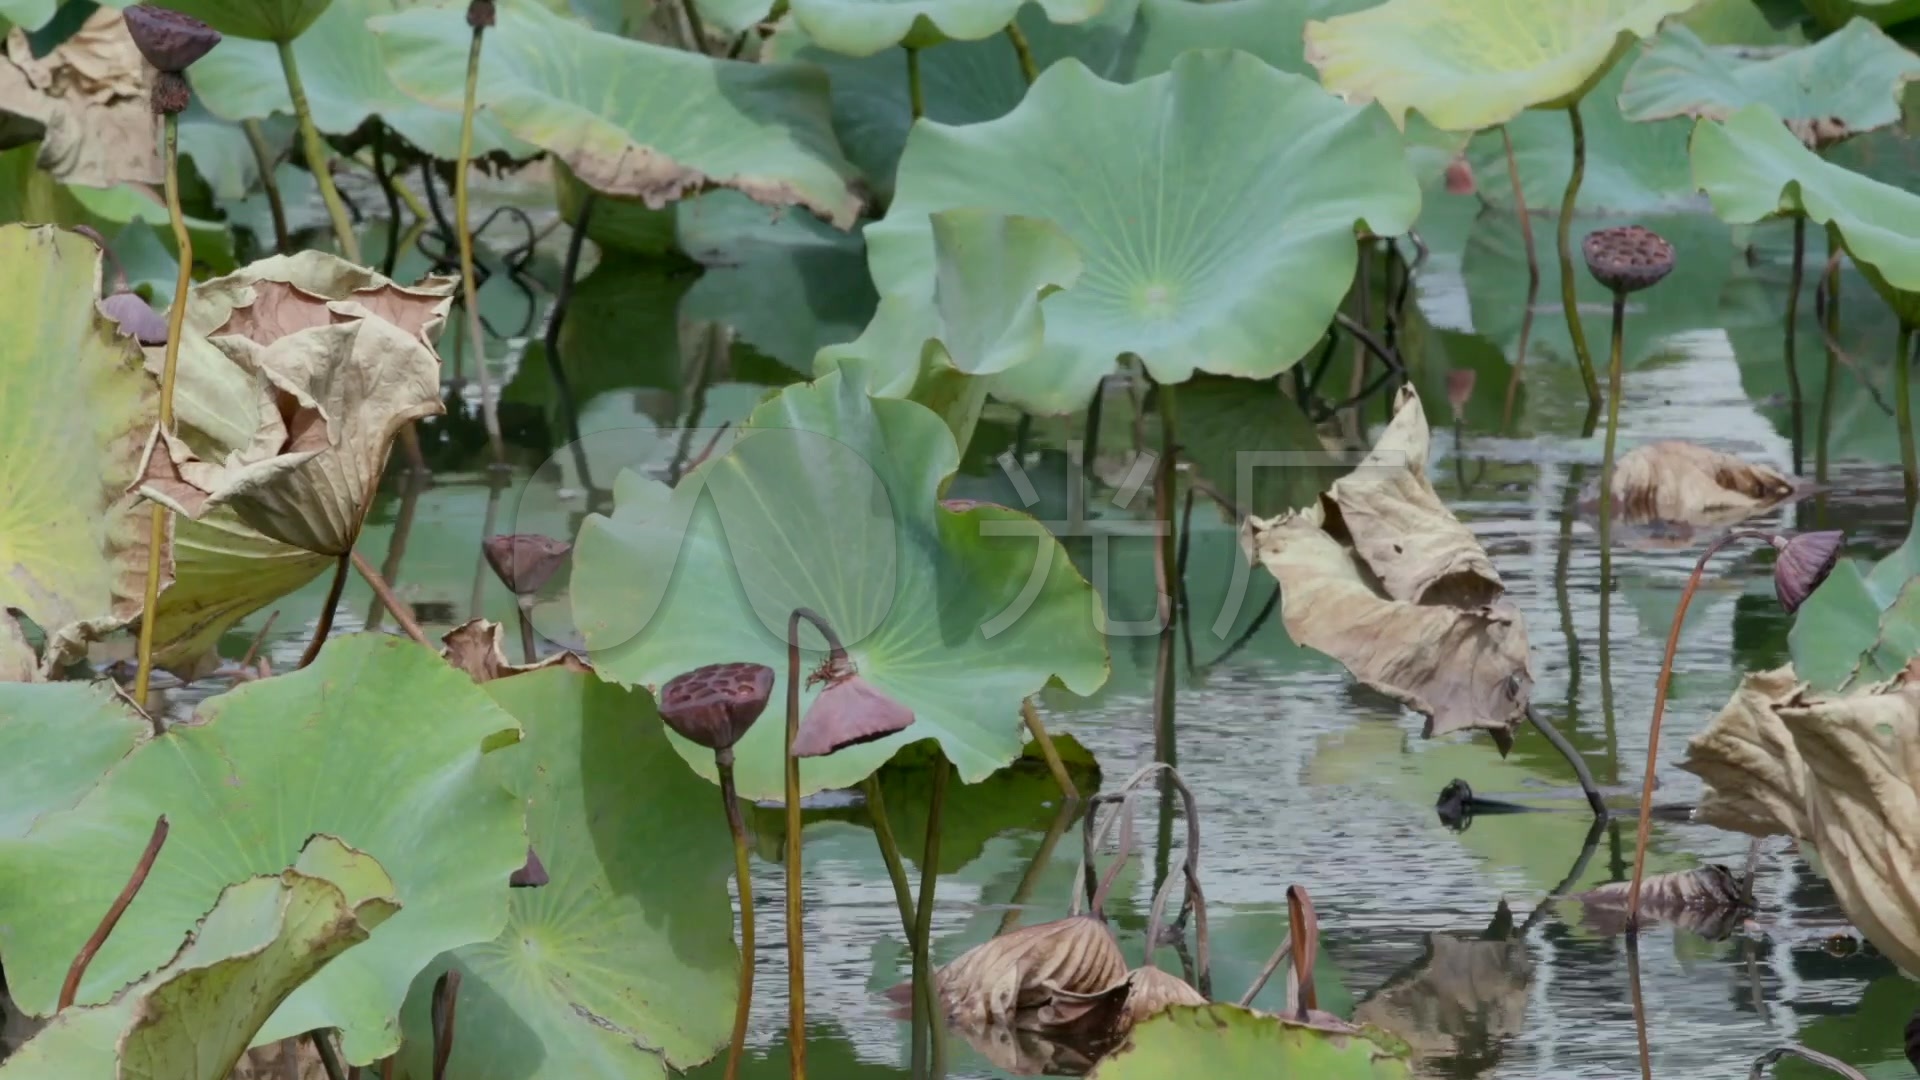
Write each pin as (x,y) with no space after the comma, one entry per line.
(714,706)
(480,14)
(1804,562)
(168,39)
(171,94)
(1627,258)
(524,561)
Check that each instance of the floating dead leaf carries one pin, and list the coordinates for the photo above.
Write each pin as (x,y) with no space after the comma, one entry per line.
(1006,981)
(1463,998)
(341,359)
(477,647)
(1150,990)
(287,1059)
(86,101)
(1756,782)
(1674,481)
(1705,901)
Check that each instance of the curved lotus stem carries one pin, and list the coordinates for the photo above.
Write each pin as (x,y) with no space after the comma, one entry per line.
(923,993)
(796,945)
(1035,727)
(1831,1064)
(479,16)
(1023,51)
(1569,296)
(317,156)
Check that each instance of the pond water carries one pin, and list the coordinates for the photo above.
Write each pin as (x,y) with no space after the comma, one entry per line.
(1301,777)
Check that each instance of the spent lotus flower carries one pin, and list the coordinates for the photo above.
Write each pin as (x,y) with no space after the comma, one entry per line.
(1805,560)
(850,711)
(714,706)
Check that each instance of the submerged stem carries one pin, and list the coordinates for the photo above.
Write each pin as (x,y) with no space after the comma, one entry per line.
(742,874)
(1533,280)
(1569,296)
(469,289)
(923,917)
(325,626)
(317,157)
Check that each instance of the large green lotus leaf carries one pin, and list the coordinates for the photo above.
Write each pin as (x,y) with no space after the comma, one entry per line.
(258,20)
(193,1018)
(1206,247)
(379,742)
(27,14)
(963,82)
(1850,81)
(75,409)
(864,27)
(1834,13)
(828,501)
(1468,64)
(57,738)
(1223,1042)
(623,964)
(346,82)
(632,119)
(1860,626)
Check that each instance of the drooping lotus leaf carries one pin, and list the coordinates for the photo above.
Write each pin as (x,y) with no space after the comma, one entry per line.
(378,743)
(73,541)
(341,359)
(864,27)
(1753,168)
(1860,626)
(828,500)
(90,101)
(257,20)
(1469,65)
(1233,1043)
(1671,480)
(632,119)
(193,1018)
(346,83)
(57,739)
(1756,780)
(1843,84)
(1206,247)
(613,968)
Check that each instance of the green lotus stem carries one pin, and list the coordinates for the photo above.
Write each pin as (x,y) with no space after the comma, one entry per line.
(1023,50)
(1827,310)
(923,922)
(796,929)
(469,289)
(1569,296)
(923,1006)
(325,625)
(317,156)
(742,874)
(1903,411)
(263,157)
(1606,486)
(1793,325)
(176,323)
(1038,730)
(1167,576)
(1533,280)
(696,27)
(916,97)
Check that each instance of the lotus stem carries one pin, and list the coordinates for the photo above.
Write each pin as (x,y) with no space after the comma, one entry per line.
(317,156)
(1831,1064)
(1569,296)
(1533,281)
(1090,440)
(1826,303)
(1023,51)
(1272,965)
(397,543)
(1903,412)
(1038,729)
(796,944)
(695,27)
(469,287)
(1165,557)
(169,371)
(329,1060)
(1580,770)
(1659,710)
(916,96)
(923,1007)
(1023,890)
(325,626)
(387,188)
(263,157)
(1639,1004)
(446,997)
(75,972)
(562,301)
(1793,326)
(402,614)
(1606,488)
(742,875)
(923,921)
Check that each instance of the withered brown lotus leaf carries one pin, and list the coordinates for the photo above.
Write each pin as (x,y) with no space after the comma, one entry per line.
(1705,901)
(477,647)
(86,102)
(525,561)
(993,982)
(1756,782)
(1804,562)
(1150,990)
(715,705)
(1682,482)
(1462,998)
(850,711)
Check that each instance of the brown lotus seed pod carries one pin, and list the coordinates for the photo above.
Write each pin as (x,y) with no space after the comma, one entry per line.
(170,41)
(524,561)
(171,94)
(715,705)
(136,317)
(850,711)
(480,14)
(1804,562)
(1627,258)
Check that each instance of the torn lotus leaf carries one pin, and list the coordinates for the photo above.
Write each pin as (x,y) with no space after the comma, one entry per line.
(1005,981)
(477,647)
(1756,782)
(1674,481)
(86,103)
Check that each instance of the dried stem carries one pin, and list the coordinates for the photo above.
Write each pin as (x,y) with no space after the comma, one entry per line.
(1826,302)
(259,638)
(469,287)
(1057,767)
(325,626)
(446,995)
(743,1007)
(141,869)
(1639,1004)
(1569,296)
(1303,928)
(402,613)
(317,157)
(1533,280)
(329,1060)
(556,371)
(1606,495)
(1023,890)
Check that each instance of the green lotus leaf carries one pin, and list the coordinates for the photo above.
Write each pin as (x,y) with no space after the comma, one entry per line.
(1468,65)
(1753,168)
(257,20)
(57,739)
(735,16)
(632,119)
(28,14)
(864,27)
(1849,81)
(1860,626)
(193,1018)
(1834,14)
(1229,1043)
(1200,253)
(828,500)
(623,964)
(73,541)
(963,82)
(625,225)
(378,742)
(346,83)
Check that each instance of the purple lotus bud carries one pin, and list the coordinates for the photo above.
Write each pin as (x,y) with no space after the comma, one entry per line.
(524,561)
(136,317)
(850,711)
(530,876)
(168,39)
(1805,561)
(715,705)
(1627,258)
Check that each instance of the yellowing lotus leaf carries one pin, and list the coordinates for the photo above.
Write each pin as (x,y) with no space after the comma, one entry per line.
(341,359)
(89,97)
(1469,64)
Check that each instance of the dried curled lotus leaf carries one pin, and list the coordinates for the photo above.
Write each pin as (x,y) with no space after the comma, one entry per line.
(1409,539)
(90,96)
(993,982)
(1756,782)
(1679,481)
(1150,990)
(477,647)
(1705,901)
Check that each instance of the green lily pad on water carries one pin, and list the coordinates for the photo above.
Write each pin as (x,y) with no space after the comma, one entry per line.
(57,739)
(346,83)
(1469,65)
(864,27)
(1850,81)
(1860,626)
(73,542)
(1223,1042)
(379,743)
(1199,254)
(631,119)
(827,500)
(623,964)
(193,1018)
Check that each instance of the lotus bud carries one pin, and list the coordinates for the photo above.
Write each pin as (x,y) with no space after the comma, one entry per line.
(1460,178)
(715,705)
(850,711)
(1460,390)
(524,561)
(1627,258)
(135,317)
(1804,562)
(530,876)
(1150,990)
(171,41)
